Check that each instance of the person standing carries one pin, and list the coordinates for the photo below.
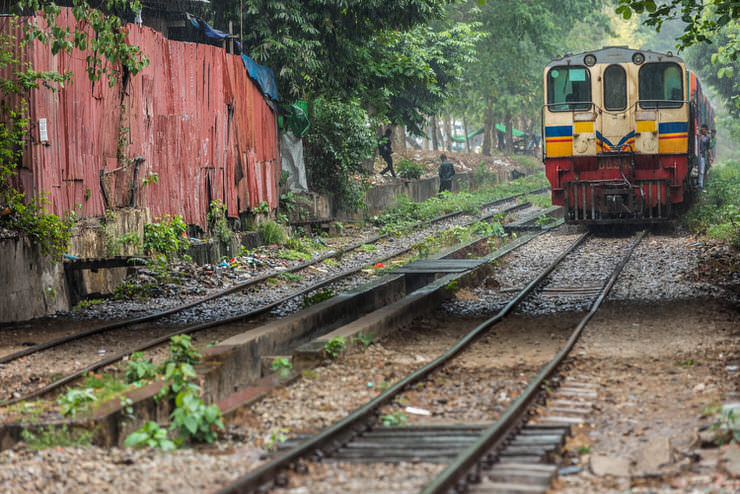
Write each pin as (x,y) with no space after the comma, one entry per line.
(385,150)
(704,153)
(446,172)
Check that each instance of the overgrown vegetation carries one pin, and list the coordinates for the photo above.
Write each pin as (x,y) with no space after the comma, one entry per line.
(167,236)
(407,213)
(409,169)
(218,223)
(335,346)
(716,213)
(52,437)
(338,142)
(103,35)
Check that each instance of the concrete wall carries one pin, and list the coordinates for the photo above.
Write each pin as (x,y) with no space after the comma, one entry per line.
(319,208)
(32,285)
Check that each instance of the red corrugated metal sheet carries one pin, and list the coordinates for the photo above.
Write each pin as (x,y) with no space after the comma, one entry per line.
(193,114)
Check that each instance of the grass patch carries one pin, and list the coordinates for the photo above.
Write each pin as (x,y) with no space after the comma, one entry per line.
(716,213)
(52,437)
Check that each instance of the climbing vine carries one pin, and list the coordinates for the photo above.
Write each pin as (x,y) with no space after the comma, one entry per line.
(99,33)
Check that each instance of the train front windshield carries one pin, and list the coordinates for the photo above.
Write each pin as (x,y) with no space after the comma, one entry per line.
(568,88)
(661,85)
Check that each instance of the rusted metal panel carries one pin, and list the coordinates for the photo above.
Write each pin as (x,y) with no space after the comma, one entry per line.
(193,115)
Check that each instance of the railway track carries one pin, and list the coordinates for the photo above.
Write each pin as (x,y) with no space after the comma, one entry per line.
(503,456)
(165,334)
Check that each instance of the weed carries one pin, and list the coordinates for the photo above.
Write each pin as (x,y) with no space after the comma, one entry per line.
(52,437)
(339,227)
(409,169)
(393,419)
(84,304)
(544,220)
(218,222)
(541,200)
(75,400)
(318,297)
(272,233)
(582,450)
(262,208)
(151,435)
(292,255)
(182,351)
(367,248)
(452,286)
(151,178)
(364,339)
(278,436)
(331,262)
(194,420)
(167,236)
(726,426)
(139,368)
(292,277)
(299,244)
(335,346)
(686,363)
(282,365)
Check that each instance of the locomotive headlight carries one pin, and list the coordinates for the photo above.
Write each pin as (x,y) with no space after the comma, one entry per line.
(638,58)
(589,60)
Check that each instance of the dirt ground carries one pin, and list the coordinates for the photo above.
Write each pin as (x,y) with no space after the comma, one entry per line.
(662,369)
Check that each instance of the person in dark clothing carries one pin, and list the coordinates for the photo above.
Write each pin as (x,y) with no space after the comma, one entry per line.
(384,148)
(446,172)
(704,141)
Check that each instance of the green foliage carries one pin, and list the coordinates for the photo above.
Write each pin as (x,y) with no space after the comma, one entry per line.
(292,255)
(544,220)
(53,437)
(272,233)
(282,365)
(108,35)
(409,169)
(139,368)
(182,351)
(277,437)
(727,426)
(717,213)
(394,419)
(318,297)
(364,339)
(217,221)
(338,142)
(151,435)
(452,286)
(367,248)
(195,421)
(292,277)
(168,236)
(151,178)
(299,244)
(75,400)
(335,346)
(83,304)
(262,208)
(331,262)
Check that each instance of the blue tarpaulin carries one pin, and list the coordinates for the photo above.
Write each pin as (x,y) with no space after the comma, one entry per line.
(209,32)
(263,75)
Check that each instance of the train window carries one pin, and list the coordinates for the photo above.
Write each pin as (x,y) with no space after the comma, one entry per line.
(568,88)
(661,85)
(615,88)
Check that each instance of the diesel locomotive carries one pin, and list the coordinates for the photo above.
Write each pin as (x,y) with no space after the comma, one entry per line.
(620,128)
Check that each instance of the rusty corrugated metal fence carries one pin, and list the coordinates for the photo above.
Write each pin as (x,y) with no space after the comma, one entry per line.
(194,116)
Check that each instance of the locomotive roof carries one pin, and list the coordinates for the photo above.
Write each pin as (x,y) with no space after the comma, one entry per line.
(614,54)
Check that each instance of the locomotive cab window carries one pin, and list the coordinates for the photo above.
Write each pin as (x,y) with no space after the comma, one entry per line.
(661,85)
(568,88)
(615,88)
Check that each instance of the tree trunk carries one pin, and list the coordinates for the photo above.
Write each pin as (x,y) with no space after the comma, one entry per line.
(435,133)
(509,134)
(398,138)
(488,130)
(465,129)
(448,138)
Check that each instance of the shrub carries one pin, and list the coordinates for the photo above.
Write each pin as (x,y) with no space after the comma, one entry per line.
(409,169)
(272,233)
(341,137)
(167,236)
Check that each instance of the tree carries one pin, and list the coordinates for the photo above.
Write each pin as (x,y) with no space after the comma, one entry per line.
(711,22)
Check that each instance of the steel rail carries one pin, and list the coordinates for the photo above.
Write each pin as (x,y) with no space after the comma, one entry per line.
(514,416)
(228,291)
(111,359)
(364,416)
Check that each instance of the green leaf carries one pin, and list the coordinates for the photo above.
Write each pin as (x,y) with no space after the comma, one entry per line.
(135,438)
